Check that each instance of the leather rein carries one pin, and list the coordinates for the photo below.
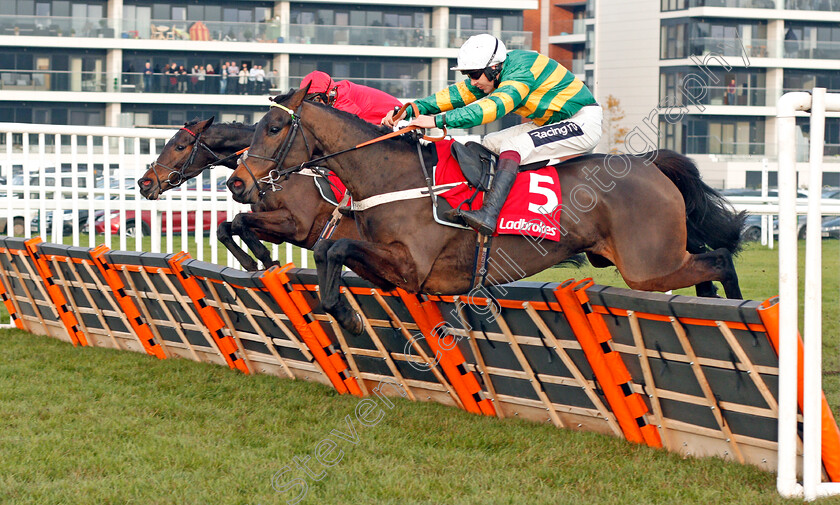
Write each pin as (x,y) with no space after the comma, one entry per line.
(275,175)
(177,177)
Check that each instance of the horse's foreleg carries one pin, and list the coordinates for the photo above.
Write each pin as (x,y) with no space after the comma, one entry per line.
(253,227)
(392,263)
(225,236)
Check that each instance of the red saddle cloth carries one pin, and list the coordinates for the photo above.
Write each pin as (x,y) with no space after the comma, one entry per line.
(532,207)
(337,186)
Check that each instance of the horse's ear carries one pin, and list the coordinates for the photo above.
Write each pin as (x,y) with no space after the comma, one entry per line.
(210,121)
(298,98)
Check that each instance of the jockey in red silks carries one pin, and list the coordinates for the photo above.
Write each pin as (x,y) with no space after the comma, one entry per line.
(369,104)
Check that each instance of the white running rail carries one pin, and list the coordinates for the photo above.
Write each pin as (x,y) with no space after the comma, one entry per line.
(93,172)
(811,487)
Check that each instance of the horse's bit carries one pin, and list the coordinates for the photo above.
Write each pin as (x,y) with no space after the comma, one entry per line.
(176,177)
(275,175)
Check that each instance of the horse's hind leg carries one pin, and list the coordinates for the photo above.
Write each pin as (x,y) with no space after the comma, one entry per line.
(696,271)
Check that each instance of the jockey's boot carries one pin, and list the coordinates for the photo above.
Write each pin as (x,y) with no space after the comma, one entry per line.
(484,219)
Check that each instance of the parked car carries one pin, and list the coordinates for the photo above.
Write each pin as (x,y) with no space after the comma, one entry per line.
(831,228)
(145,221)
(82,212)
(752,225)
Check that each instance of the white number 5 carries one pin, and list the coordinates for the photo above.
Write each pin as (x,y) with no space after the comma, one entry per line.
(535,188)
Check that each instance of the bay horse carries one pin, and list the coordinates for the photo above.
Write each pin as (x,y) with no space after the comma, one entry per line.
(297,215)
(655,223)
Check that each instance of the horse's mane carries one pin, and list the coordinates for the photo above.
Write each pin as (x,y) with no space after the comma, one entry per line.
(374,130)
(231,124)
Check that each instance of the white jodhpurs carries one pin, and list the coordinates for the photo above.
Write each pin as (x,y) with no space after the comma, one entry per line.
(578,134)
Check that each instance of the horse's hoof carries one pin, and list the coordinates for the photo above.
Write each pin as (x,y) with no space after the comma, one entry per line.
(356,327)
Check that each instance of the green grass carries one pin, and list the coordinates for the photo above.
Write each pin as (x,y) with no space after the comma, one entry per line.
(93,425)
(97,426)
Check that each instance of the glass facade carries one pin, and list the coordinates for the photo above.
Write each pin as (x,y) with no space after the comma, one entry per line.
(51,69)
(805,80)
(680,38)
(680,86)
(404,78)
(812,40)
(736,135)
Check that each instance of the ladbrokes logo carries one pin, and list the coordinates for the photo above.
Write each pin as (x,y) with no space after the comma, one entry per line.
(521,225)
(555,132)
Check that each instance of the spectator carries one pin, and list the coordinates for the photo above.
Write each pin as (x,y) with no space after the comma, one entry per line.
(243,79)
(730,93)
(171,77)
(260,80)
(147,77)
(233,77)
(252,80)
(202,76)
(182,79)
(223,78)
(210,84)
(275,80)
(194,79)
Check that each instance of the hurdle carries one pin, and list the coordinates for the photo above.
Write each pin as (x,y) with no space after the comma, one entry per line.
(817,102)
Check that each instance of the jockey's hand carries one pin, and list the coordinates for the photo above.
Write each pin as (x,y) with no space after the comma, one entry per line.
(389,120)
(423,122)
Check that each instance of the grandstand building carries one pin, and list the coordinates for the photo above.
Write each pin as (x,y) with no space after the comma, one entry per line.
(702,76)
(84,62)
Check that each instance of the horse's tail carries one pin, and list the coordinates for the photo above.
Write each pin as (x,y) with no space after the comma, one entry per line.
(711,220)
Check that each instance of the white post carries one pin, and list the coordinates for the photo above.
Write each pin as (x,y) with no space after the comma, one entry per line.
(812,487)
(787,105)
(766,219)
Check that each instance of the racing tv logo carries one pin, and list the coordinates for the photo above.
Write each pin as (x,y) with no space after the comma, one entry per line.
(553,133)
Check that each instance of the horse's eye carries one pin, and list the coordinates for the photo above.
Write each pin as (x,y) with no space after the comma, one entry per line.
(180,148)
(274,129)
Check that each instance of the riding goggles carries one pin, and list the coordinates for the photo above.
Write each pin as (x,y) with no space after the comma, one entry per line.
(473,74)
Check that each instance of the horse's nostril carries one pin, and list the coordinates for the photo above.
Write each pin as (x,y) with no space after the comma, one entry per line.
(146,183)
(237,184)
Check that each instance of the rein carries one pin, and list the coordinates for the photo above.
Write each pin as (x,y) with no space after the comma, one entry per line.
(179,173)
(275,175)
(279,155)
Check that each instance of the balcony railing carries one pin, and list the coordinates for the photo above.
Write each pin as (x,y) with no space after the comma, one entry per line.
(512,40)
(56,26)
(568,26)
(813,5)
(714,145)
(212,84)
(724,95)
(755,48)
(52,80)
(820,50)
(272,32)
(743,4)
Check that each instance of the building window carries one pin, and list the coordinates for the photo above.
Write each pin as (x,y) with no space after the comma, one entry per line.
(399,77)
(813,5)
(714,135)
(812,41)
(680,86)
(673,40)
(805,80)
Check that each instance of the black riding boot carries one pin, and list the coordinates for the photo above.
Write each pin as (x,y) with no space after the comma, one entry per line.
(484,219)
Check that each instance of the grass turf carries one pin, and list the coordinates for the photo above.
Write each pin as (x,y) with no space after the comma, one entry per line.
(94,425)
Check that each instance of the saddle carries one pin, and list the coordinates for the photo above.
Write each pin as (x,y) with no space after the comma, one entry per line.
(477,163)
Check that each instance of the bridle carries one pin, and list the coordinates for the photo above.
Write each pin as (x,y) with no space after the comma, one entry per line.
(176,177)
(275,175)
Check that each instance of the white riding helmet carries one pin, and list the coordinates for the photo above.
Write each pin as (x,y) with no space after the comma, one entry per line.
(480,51)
